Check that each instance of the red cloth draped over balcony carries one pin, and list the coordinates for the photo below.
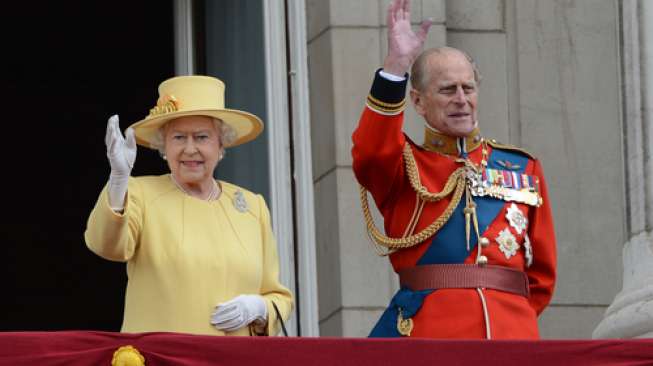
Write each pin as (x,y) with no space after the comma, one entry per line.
(77,348)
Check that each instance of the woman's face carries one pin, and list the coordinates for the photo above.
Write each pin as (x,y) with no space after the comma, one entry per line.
(192,147)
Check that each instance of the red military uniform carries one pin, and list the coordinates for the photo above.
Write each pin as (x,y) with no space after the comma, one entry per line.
(515,231)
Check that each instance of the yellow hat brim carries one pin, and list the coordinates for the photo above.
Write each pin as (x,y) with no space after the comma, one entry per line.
(246,125)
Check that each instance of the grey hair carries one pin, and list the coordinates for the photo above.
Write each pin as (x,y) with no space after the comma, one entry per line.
(420,75)
(227,136)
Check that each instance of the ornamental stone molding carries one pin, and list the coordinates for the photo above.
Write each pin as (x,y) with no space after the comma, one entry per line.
(631,313)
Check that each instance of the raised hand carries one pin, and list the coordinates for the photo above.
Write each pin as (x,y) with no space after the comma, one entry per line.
(121,153)
(404,45)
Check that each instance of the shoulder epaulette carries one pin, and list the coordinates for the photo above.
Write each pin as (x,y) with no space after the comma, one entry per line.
(497,145)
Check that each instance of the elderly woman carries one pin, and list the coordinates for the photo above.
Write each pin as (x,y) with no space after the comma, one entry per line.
(201,256)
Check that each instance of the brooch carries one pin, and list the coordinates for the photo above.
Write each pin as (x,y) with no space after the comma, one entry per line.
(507,243)
(240,203)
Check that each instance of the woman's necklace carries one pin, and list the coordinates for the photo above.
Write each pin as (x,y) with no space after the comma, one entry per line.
(213,195)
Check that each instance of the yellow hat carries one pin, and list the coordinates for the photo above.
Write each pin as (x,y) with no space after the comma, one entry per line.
(195,96)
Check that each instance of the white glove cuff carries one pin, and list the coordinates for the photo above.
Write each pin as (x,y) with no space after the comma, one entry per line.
(117,192)
(391,77)
(261,311)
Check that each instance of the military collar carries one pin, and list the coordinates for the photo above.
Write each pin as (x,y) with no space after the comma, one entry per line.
(450,145)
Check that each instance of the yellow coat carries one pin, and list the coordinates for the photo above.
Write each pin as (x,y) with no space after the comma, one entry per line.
(184,255)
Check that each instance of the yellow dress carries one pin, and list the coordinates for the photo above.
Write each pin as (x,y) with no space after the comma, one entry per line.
(185,255)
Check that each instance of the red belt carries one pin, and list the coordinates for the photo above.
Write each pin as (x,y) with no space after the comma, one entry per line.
(441,276)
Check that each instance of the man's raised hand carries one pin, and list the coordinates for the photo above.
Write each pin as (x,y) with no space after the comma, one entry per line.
(404,45)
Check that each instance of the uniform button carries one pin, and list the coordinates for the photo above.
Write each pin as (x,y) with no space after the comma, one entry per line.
(482,260)
(485,242)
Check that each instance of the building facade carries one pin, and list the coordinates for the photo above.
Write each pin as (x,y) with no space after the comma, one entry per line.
(568,80)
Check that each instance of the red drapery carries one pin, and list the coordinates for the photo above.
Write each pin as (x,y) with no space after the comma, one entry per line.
(77,348)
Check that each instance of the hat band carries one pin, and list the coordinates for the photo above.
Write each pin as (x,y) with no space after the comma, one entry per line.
(169,106)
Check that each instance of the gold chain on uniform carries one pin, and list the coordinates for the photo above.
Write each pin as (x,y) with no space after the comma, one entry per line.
(455,183)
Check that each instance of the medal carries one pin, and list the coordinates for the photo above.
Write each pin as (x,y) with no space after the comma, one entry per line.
(404,326)
(507,243)
(474,182)
(505,185)
(516,218)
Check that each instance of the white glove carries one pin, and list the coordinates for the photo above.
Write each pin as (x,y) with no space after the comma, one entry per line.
(122,154)
(239,312)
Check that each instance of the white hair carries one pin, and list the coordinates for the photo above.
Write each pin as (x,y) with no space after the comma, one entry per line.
(421,69)
(227,136)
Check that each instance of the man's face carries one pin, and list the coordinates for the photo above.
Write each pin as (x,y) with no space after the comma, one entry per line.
(448,101)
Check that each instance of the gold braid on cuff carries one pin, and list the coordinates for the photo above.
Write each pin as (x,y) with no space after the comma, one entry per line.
(385,107)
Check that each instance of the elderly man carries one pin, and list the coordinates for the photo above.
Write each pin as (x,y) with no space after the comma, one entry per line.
(468,220)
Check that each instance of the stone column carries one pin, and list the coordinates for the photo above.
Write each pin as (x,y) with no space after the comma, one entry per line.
(631,313)
(346,44)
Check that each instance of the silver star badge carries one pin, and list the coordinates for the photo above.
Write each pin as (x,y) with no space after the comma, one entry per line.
(240,203)
(507,243)
(516,218)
